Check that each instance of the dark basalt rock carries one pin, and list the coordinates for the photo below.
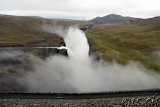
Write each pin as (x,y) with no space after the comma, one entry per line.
(63,52)
(46,52)
(86,27)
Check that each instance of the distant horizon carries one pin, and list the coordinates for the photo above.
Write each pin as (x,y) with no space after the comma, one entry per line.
(76,19)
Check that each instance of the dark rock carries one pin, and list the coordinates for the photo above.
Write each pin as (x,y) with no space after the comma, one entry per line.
(86,27)
(63,52)
(46,52)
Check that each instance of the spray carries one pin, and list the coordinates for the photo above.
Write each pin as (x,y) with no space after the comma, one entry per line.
(80,73)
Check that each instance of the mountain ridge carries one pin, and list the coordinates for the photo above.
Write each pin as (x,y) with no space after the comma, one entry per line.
(114,19)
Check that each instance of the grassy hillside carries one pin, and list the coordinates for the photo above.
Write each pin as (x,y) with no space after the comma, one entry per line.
(22,29)
(138,42)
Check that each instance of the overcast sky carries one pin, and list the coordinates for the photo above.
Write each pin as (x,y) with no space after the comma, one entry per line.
(80,9)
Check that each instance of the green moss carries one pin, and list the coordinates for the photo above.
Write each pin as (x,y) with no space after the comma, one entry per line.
(57,40)
(128,42)
(21,29)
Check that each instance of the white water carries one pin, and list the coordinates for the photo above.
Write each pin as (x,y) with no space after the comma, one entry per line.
(80,73)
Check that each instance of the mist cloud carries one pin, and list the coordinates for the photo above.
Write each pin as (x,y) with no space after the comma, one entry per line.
(76,75)
(79,72)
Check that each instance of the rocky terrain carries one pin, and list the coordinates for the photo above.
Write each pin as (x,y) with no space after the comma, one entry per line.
(105,101)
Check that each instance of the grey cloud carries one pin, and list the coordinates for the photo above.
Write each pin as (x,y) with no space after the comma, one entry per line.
(80,9)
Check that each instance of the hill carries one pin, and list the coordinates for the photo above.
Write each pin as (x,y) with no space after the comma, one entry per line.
(138,41)
(114,19)
(24,29)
